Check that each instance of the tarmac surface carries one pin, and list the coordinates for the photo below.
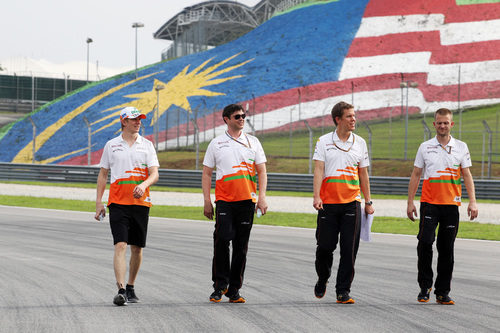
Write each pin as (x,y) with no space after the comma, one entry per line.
(488,212)
(57,276)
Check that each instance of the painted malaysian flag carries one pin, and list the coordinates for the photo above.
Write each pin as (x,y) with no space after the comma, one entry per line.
(294,67)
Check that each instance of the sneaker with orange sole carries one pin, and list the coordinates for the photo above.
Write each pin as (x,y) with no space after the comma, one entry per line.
(236,298)
(424,295)
(444,299)
(344,298)
(217,295)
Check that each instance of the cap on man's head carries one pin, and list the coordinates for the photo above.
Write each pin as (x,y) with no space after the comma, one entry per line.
(131,112)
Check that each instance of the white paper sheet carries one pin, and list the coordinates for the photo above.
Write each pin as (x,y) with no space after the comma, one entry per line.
(366,227)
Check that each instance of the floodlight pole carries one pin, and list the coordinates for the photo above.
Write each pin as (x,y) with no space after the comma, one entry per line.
(136,25)
(89,40)
(157,123)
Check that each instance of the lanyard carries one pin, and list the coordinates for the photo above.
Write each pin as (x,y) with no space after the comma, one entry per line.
(344,150)
(446,150)
(241,143)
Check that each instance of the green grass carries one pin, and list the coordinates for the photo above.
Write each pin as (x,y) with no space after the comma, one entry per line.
(381,224)
(198,190)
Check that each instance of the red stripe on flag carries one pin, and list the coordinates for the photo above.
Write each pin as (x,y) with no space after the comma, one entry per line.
(394,43)
(428,41)
(452,12)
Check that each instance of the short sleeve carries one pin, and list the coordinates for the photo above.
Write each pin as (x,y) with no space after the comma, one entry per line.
(419,159)
(105,163)
(319,151)
(466,161)
(152,158)
(260,156)
(365,159)
(209,159)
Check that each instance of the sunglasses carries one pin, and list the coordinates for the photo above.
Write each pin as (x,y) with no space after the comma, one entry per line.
(238,116)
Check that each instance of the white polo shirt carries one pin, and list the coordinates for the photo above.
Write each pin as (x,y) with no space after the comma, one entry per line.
(442,169)
(129,168)
(342,162)
(235,160)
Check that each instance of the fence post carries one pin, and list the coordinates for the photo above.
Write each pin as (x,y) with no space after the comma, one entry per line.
(214,121)
(89,142)
(490,146)
(166,128)
(427,131)
(459,109)
(34,139)
(290,139)
(262,119)
(482,156)
(17,92)
(248,120)
(196,140)
(65,84)
(187,128)
(369,147)
(310,144)
(178,124)
(389,142)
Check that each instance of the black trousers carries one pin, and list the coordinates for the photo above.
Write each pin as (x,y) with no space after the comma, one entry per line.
(233,222)
(334,220)
(446,216)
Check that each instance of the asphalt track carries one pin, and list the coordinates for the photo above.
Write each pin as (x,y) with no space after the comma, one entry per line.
(56,276)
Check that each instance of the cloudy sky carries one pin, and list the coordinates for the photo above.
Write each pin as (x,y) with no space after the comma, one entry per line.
(56,31)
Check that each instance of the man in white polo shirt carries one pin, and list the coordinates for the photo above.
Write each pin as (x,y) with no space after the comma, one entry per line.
(238,157)
(340,172)
(134,168)
(443,159)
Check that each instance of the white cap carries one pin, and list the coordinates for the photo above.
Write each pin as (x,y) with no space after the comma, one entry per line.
(131,112)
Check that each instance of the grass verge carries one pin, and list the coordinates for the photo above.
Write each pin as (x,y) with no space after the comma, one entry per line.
(198,190)
(392,225)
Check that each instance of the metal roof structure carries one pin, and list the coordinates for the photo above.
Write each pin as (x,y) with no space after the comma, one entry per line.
(212,23)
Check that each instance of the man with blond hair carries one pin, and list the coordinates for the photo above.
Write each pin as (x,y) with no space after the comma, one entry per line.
(134,168)
(442,160)
(340,172)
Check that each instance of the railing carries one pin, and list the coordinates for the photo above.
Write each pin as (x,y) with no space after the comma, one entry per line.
(485,189)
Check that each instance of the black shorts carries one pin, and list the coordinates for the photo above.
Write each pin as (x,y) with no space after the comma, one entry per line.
(129,224)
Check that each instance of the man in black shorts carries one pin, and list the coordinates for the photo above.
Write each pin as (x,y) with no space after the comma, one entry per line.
(134,168)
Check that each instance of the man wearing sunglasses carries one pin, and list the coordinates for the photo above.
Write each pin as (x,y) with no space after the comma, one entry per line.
(340,172)
(443,158)
(238,157)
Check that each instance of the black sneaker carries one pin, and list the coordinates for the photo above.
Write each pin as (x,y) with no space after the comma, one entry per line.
(444,299)
(423,295)
(344,298)
(130,294)
(236,298)
(120,298)
(217,295)
(320,289)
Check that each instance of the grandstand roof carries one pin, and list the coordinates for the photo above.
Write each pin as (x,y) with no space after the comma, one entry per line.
(212,23)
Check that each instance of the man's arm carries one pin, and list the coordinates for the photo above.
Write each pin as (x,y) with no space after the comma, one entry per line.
(206,185)
(319,172)
(261,201)
(472,210)
(102,179)
(153,177)
(411,210)
(364,184)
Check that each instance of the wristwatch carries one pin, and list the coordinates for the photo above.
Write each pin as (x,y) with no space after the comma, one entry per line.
(369,203)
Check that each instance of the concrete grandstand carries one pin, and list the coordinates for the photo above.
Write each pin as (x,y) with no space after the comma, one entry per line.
(292,67)
(212,23)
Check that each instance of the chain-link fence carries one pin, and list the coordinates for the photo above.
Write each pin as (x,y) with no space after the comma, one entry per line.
(392,138)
